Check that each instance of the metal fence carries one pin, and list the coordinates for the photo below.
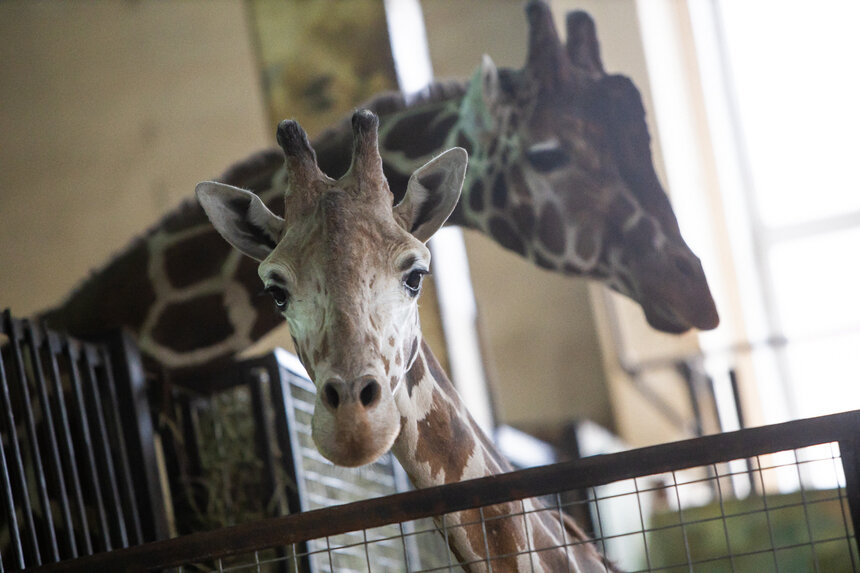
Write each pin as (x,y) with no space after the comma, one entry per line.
(76,460)
(776,498)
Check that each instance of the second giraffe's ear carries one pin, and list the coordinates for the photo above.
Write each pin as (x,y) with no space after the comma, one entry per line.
(432,193)
(241,218)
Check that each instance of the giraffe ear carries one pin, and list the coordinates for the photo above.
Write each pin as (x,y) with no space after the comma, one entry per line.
(241,218)
(432,193)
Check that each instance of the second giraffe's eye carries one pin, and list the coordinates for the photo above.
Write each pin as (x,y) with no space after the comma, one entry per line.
(544,158)
(280,296)
(412,281)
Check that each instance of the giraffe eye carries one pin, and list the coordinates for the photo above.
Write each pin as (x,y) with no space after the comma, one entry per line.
(280,296)
(412,281)
(545,157)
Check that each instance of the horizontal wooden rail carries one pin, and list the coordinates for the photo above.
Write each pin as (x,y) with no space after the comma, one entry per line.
(579,474)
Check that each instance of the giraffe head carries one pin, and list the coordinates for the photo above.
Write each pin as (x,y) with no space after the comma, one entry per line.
(344,268)
(563,154)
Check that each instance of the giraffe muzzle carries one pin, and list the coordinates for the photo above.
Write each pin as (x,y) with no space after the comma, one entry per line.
(364,392)
(355,421)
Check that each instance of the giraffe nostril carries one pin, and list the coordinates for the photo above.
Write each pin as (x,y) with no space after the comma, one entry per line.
(330,395)
(369,395)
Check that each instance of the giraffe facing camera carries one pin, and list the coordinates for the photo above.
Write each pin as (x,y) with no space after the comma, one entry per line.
(344,267)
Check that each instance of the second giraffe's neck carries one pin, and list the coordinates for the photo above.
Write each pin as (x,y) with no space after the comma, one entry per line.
(440,443)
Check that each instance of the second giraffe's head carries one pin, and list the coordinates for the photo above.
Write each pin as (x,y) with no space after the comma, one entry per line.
(344,267)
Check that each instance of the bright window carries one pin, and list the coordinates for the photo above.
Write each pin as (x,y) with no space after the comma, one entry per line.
(790,83)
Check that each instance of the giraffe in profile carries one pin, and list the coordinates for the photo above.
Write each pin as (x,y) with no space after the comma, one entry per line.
(344,268)
(560,173)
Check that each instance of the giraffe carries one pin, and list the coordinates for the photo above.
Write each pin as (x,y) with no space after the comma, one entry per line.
(344,268)
(561,173)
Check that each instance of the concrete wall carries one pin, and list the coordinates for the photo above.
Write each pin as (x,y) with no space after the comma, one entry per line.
(111,113)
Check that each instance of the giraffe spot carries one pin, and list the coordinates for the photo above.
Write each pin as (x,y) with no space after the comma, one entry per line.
(587,241)
(437,431)
(476,196)
(414,375)
(517,183)
(641,236)
(178,327)
(505,234)
(524,219)
(390,341)
(551,229)
(621,209)
(254,173)
(397,182)
(334,155)
(504,535)
(190,214)
(499,196)
(120,295)
(493,146)
(437,373)
(420,134)
(414,348)
(543,262)
(195,259)
(465,142)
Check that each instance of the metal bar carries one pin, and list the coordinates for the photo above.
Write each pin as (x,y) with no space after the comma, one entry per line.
(67,447)
(685,370)
(288,442)
(54,464)
(264,441)
(120,452)
(139,434)
(194,462)
(81,426)
(8,495)
(102,446)
(736,394)
(849,448)
(48,535)
(532,482)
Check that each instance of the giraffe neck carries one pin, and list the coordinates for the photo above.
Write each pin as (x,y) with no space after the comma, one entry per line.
(440,443)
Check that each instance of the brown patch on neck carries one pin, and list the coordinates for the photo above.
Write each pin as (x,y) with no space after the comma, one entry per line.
(441,428)
(502,533)
(414,375)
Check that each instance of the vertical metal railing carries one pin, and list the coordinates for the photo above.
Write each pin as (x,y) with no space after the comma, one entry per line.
(66,481)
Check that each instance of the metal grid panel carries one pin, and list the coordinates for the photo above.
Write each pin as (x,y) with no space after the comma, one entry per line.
(782,512)
(779,498)
(67,485)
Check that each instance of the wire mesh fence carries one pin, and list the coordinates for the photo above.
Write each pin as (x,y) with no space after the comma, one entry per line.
(780,498)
